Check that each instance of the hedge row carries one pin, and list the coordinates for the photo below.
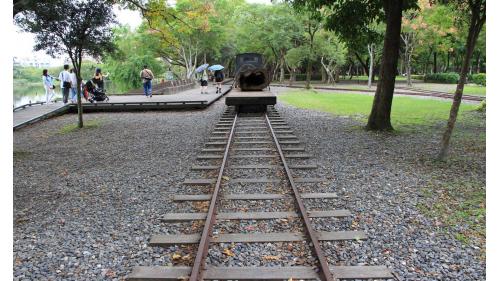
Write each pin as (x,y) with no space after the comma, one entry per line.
(479,79)
(445,77)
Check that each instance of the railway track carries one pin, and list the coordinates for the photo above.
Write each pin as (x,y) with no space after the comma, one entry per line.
(415,92)
(252,170)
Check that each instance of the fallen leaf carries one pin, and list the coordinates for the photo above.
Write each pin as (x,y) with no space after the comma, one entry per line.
(176,256)
(186,257)
(271,258)
(228,252)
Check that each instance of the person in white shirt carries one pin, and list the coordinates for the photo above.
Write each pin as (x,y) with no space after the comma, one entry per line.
(48,84)
(65,79)
(74,83)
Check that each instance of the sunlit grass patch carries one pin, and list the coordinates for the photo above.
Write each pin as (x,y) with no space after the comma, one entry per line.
(405,110)
(87,124)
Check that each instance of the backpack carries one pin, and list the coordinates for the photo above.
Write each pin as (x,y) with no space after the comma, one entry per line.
(219,74)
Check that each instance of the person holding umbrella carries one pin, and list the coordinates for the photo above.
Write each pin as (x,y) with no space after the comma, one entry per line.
(204,78)
(219,76)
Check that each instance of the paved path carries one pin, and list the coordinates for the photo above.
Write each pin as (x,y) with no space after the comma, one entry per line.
(189,95)
(33,112)
(39,112)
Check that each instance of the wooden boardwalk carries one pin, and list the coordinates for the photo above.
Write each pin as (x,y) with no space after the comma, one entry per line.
(189,99)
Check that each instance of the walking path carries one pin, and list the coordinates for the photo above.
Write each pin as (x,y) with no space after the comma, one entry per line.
(183,100)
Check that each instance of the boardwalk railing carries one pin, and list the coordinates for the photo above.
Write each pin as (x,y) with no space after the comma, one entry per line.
(167,87)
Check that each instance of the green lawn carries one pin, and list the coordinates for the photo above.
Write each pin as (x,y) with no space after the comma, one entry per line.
(405,110)
(475,90)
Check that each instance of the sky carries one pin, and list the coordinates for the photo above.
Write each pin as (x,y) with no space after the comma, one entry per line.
(26,40)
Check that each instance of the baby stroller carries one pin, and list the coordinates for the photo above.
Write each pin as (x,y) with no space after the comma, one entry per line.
(92,93)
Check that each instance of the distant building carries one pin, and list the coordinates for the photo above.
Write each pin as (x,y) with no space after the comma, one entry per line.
(31,61)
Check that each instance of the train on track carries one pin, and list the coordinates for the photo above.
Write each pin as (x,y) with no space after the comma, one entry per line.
(251,91)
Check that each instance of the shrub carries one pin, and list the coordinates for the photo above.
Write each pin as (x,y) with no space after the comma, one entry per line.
(417,77)
(447,77)
(479,79)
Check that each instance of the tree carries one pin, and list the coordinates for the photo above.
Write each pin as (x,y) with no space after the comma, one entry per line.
(134,49)
(332,53)
(23,6)
(294,59)
(476,16)
(351,18)
(74,28)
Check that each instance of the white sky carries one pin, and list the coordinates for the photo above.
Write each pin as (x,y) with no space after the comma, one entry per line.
(25,41)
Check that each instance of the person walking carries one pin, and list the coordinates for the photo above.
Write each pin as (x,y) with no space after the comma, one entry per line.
(147,78)
(48,84)
(74,86)
(65,79)
(204,82)
(219,77)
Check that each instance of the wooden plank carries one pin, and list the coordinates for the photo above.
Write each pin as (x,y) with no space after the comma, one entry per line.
(251,127)
(199,181)
(200,168)
(283,137)
(208,157)
(309,180)
(233,196)
(216,143)
(254,166)
(175,239)
(289,142)
(293,148)
(255,196)
(164,273)
(255,156)
(213,149)
(303,166)
(179,217)
(329,214)
(252,132)
(341,235)
(187,197)
(252,137)
(254,149)
(362,272)
(218,138)
(254,180)
(318,195)
(260,273)
(159,273)
(253,142)
(298,155)
(258,237)
(220,133)
(283,131)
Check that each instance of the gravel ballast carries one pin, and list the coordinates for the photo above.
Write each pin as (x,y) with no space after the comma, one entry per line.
(86,203)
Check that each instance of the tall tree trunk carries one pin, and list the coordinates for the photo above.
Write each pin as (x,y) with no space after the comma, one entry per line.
(380,116)
(435,68)
(324,77)
(366,67)
(478,63)
(308,73)
(371,49)
(447,61)
(476,23)
(292,77)
(282,71)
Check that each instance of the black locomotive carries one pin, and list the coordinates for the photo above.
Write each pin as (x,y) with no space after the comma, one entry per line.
(250,73)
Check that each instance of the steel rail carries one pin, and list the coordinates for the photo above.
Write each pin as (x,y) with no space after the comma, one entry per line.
(202,252)
(325,273)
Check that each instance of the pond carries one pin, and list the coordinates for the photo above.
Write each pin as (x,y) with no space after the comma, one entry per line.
(30,92)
